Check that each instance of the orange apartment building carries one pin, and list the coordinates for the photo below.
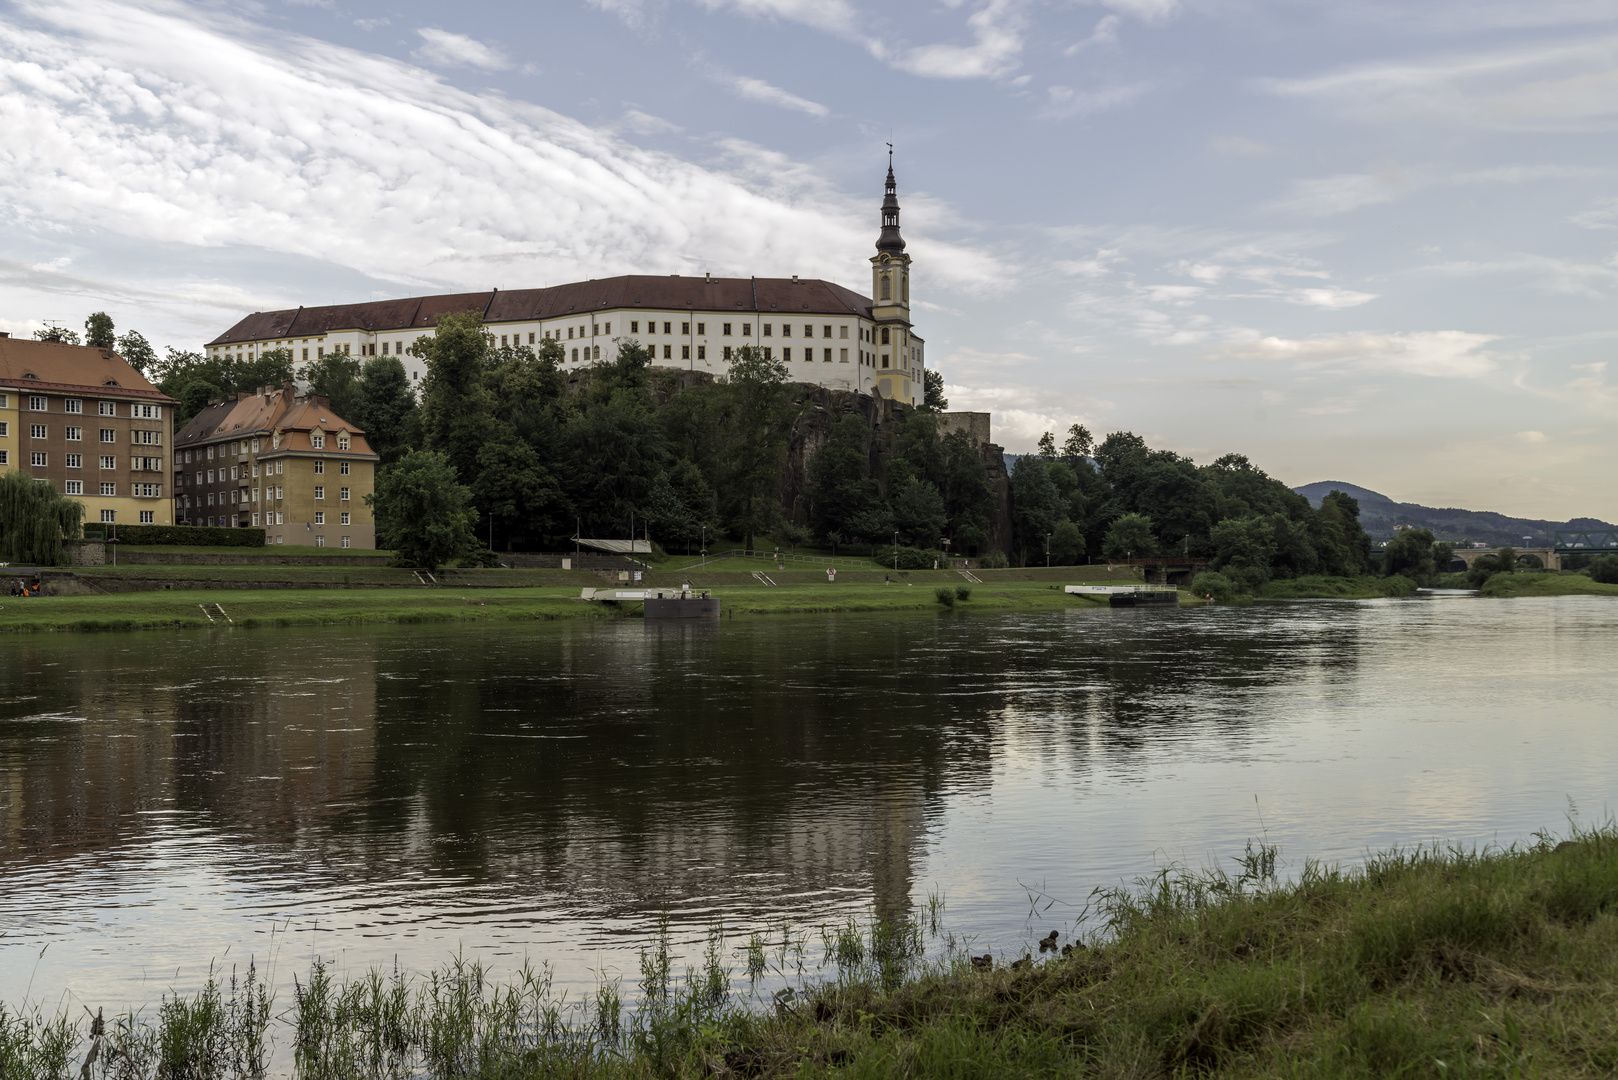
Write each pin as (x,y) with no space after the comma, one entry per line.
(278,461)
(83,420)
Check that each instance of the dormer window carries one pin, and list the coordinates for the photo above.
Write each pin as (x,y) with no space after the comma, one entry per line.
(342,441)
(317,440)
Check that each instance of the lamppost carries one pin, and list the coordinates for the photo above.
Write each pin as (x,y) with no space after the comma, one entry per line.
(705,547)
(1048,550)
(896,552)
(944,543)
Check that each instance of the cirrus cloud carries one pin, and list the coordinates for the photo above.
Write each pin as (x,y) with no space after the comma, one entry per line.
(1432,353)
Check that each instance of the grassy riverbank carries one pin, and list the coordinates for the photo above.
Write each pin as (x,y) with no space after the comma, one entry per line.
(170,609)
(1435,963)
(1316,587)
(1547,584)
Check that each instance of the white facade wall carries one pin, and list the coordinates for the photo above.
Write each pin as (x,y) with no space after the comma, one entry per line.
(695,340)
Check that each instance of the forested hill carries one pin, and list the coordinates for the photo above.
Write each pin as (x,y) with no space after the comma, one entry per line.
(1379,514)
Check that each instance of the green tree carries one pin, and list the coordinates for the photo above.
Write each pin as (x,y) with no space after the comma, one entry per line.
(1130,537)
(134,348)
(1410,554)
(1078,446)
(841,489)
(1604,568)
(1344,545)
(194,379)
(918,513)
(1067,544)
(968,499)
(34,520)
(98,332)
(385,405)
(933,394)
(60,334)
(422,510)
(456,406)
(1036,506)
(1047,446)
(759,433)
(335,377)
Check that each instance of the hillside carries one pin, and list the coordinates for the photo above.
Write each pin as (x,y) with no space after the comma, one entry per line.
(1379,514)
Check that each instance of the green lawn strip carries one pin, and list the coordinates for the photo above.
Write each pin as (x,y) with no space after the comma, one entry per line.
(1432,963)
(1546,584)
(271,549)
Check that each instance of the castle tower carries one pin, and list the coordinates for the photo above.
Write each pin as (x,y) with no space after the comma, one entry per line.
(898,368)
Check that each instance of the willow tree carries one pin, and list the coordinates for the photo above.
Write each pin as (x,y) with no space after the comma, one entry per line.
(34,520)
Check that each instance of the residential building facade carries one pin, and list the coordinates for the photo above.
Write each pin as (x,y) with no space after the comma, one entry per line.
(83,420)
(280,461)
(827,335)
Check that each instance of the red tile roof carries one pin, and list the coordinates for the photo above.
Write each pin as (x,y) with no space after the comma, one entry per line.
(276,410)
(766,296)
(51,367)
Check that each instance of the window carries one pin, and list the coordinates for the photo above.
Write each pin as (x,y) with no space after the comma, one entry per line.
(320,352)
(530,337)
(844,357)
(5,429)
(108,435)
(320,515)
(320,492)
(109,489)
(37,459)
(685,352)
(884,359)
(668,328)
(702,329)
(345,539)
(36,431)
(74,434)
(108,516)
(769,329)
(668,352)
(75,461)
(725,329)
(36,403)
(75,487)
(702,352)
(342,468)
(825,331)
(320,541)
(727,352)
(233,470)
(786,329)
(5,401)
(255,472)
(318,440)
(570,333)
(210,498)
(634,326)
(747,329)
(342,441)
(343,518)
(885,335)
(73,405)
(108,462)
(255,519)
(575,355)
(210,453)
(148,517)
(609,329)
(5,457)
(146,438)
(280,519)
(306,354)
(278,490)
(147,412)
(342,494)
(842,332)
(685,328)
(255,494)
(279,465)
(502,340)
(808,330)
(786,354)
(596,353)
(887,287)
(107,408)
(828,356)
(384,348)
(767,352)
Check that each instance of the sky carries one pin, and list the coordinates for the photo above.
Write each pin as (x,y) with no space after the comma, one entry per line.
(1351,239)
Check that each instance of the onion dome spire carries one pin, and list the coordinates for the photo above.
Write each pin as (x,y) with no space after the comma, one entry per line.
(890,240)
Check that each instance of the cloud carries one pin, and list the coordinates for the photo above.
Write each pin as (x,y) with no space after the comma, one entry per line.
(832,16)
(1532,438)
(642,123)
(1065,102)
(1329,195)
(1147,11)
(372,24)
(761,91)
(1603,215)
(443,48)
(176,128)
(1105,35)
(1433,353)
(1569,85)
(1236,146)
(997,26)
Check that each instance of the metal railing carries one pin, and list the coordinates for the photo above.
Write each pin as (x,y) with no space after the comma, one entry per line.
(783,556)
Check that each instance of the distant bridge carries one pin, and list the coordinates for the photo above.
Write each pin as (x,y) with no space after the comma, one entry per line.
(1550,558)
(1585,541)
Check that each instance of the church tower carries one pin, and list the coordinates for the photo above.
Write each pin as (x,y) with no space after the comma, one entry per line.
(897,357)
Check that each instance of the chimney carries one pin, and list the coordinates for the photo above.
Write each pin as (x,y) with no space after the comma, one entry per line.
(4,334)
(794,279)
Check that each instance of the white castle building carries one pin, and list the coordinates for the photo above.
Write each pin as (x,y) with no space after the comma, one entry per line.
(826,335)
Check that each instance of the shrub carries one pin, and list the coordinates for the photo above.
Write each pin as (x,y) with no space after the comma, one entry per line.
(179,535)
(963,592)
(909,558)
(945,595)
(1604,569)
(1216,585)
(993,560)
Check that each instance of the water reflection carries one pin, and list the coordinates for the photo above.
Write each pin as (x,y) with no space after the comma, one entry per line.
(539,789)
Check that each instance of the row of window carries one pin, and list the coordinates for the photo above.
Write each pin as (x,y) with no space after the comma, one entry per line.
(41,459)
(277,517)
(594,353)
(74,406)
(110,490)
(317,440)
(76,434)
(271,494)
(271,468)
(147,517)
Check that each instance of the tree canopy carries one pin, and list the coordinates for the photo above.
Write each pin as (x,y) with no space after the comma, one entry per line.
(34,520)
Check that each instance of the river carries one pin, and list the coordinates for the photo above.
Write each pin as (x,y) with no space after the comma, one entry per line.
(397,794)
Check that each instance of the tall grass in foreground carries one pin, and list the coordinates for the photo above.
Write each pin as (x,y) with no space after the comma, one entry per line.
(1421,963)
